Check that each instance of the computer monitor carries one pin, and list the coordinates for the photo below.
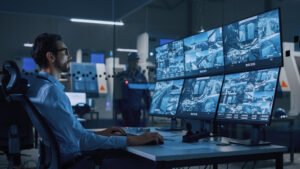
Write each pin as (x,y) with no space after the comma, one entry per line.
(199,98)
(204,53)
(76,97)
(253,43)
(166,98)
(28,64)
(97,58)
(162,62)
(248,97)
(170,61)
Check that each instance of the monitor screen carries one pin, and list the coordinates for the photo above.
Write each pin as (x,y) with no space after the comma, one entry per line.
(97,58)
(248,97)
(204,53)
(253,43)
(28,64)
(200,97)
(170,61)
(76,97)
(166,97)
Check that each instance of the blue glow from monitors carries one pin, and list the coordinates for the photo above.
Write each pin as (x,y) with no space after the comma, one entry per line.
(204,53)
(170,61)
(199,98)
(248,97)
(165,41)
(254,42)
(97,58)
(166,97)
(28,64)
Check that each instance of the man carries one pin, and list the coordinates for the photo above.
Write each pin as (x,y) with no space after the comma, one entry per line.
(47,94)
(131,103)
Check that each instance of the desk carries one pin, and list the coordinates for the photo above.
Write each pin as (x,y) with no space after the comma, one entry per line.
(174,153)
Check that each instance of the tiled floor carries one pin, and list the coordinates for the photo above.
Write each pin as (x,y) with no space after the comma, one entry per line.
(29,160)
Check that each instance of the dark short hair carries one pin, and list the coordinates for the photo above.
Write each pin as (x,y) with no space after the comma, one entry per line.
(44,43)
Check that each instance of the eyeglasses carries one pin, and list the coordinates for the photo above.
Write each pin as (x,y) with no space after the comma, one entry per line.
(64,49)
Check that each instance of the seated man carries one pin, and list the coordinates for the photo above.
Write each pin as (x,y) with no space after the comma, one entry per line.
(47,94)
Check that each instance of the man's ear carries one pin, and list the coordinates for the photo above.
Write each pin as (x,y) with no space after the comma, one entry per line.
(50,57)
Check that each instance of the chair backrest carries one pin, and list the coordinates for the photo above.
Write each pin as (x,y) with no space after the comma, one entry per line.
(50,159)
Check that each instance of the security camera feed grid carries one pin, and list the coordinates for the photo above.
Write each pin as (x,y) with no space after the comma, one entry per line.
(204,53)
(200,96)
(170,61)
(166,97)
(253,43)
(248,96)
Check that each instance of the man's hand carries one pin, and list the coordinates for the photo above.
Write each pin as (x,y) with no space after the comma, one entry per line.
(112,131)
(144,139)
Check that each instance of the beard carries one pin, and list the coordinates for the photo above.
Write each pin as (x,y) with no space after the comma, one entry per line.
(63,67)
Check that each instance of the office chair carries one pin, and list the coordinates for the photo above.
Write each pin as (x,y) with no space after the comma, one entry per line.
(15,127)
(49,156)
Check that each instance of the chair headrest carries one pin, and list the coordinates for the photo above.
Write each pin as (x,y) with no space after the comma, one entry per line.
(12,82)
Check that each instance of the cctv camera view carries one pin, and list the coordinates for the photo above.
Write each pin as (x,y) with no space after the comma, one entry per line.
(166,97)
(170,61)
(253,43)
(204,53)
(200,97)
(248,96)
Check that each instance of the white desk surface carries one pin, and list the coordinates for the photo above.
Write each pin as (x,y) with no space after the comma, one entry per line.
(174,149)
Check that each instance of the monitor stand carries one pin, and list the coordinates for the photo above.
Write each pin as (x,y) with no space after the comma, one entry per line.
(172,127)
(253,141)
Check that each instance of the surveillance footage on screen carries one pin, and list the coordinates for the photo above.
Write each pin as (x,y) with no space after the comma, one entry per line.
(204,53)
(248,95)
(170,61)
(200,96)
(166,97)
(253,42)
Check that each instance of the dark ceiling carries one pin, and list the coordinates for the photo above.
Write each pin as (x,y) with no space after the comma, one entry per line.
(91,9)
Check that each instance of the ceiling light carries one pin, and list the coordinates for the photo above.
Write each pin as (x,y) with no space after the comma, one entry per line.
(28,45)
(97,22)
(127,50)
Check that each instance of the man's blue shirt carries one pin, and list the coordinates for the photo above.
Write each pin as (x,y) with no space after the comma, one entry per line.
(47,94)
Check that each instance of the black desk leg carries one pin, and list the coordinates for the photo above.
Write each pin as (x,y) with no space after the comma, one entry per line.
(279,161)
(292,146)
(215,166)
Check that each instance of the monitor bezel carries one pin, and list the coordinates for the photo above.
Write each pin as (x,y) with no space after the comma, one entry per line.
(238,68)
(254,122)
(200,117)
(164,115)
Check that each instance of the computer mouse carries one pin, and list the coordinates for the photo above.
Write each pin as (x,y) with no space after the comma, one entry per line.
(154,142)
(117,133)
